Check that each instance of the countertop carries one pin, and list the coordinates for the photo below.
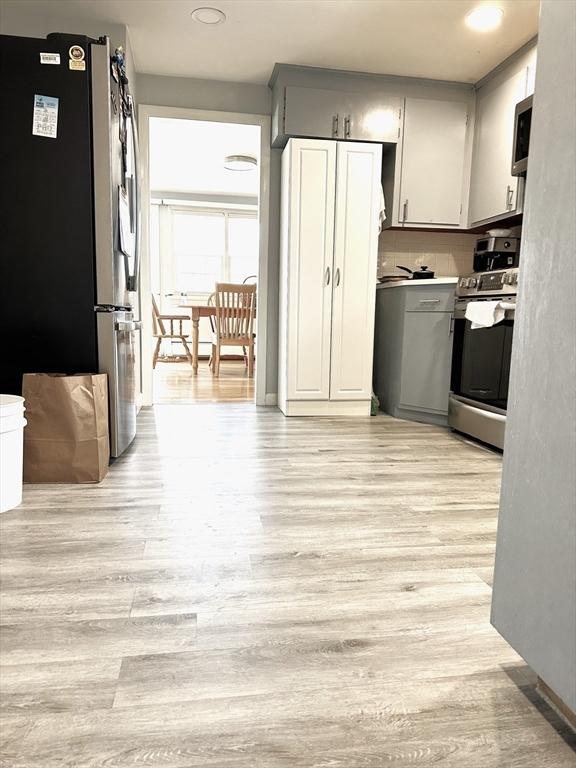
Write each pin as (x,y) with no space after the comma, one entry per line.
(416,283)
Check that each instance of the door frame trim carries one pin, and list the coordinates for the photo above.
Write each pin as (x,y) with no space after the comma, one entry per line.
(145,112)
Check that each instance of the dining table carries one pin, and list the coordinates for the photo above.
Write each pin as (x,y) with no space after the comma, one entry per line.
(196,312)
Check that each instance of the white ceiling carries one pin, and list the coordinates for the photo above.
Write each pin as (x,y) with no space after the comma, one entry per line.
(188,156)
(420,38)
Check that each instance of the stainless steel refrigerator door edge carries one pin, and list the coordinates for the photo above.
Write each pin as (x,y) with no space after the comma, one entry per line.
(117,359)
(102,171)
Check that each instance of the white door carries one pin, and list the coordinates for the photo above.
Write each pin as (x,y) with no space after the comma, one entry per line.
(493,190)
(433,161)
(311,244)
(358,173)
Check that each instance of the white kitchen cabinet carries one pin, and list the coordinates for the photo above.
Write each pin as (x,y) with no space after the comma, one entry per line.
(494,192)
(531,62)
(313,112)
(433,161)
(329,244)
(367,117)
(322,113)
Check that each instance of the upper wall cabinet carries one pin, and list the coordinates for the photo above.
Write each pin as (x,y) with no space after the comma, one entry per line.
(494,192)
(331,114)
(433,162)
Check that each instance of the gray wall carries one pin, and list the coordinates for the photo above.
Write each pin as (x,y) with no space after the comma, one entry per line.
(221,96)
(534,602)
(192,93)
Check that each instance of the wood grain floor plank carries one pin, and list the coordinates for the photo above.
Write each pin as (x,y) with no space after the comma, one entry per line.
(281,593)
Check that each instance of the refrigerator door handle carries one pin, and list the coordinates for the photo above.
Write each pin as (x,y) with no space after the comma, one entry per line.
(134,278)
(128,325)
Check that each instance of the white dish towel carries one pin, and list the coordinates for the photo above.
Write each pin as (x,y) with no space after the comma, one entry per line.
(485,314)
(382,211)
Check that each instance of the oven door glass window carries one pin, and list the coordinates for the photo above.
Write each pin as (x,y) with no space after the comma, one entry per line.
(484,368)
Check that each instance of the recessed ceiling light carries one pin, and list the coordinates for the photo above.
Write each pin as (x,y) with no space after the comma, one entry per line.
(485,18)
(240,163)
(209,15)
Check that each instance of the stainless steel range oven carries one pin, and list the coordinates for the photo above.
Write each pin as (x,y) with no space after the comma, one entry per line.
(481,356)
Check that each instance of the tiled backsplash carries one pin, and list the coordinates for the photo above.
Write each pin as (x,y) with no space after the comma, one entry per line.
(447,253)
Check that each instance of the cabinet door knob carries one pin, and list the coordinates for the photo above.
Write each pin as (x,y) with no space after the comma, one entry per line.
(335,126)
(347,127)
(327,276)
(337,277)
(405,211)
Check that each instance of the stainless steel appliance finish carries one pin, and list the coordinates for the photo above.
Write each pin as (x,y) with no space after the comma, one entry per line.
(493,253)
(521,145)
(481,358)
(117,262)
(501,282)
(482,422)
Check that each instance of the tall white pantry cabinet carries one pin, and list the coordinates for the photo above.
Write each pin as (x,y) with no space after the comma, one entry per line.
(329,249)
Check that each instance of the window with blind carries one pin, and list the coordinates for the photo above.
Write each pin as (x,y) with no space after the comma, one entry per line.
(210,247)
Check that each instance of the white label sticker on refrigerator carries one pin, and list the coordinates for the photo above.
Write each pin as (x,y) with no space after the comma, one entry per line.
(45,120)
(49,58)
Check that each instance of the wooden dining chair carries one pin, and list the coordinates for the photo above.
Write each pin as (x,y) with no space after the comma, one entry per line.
(234,320)
(168,327)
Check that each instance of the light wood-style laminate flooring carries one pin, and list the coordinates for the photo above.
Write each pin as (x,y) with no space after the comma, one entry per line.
(176,383)
(248,591)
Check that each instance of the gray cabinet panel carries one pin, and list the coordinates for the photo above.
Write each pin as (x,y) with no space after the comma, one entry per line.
(413,351)
(313,112)
(424,298)
(426,360)
(326,114)
(370,118)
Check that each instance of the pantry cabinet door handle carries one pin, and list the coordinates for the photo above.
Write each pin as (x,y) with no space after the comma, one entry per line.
(335,126)
(337,277)
(327,276)
(405,210)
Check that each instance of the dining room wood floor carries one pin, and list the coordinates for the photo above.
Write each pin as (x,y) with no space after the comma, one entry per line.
(244,590)
(176,383)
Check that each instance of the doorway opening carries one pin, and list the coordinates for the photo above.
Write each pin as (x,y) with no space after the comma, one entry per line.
(204,228)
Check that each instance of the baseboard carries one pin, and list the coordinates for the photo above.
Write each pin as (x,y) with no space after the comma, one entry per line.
(424,417)
(271,398)
(326,408)
(557,704)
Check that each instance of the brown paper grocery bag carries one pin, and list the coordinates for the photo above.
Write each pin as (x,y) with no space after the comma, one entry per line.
(66,440)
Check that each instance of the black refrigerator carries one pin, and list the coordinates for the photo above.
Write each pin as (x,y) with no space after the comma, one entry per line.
(69,218)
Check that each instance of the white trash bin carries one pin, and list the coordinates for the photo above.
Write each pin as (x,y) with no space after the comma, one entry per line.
(12,423)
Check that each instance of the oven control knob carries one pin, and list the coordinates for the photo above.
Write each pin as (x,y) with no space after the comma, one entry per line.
(507,279)
(463,282)
(514,280)
(473,282)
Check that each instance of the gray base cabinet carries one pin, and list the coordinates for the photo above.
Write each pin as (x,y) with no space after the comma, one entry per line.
(413,350)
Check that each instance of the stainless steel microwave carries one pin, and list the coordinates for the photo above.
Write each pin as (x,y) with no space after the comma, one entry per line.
(522,124)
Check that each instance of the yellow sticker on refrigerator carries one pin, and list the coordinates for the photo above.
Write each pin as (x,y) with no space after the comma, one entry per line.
(45,119)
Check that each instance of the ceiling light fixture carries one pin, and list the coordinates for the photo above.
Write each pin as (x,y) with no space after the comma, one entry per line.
(207,15)
(240,162)
(485,18)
